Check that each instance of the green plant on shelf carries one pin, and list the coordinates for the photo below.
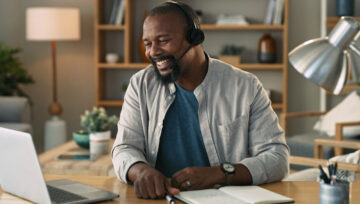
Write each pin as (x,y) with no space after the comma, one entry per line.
(231,50)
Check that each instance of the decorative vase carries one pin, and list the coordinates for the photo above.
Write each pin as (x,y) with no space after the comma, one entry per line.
(99,143)
(344,7)
(267,49)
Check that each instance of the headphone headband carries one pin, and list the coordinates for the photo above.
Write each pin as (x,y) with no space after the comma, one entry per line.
(194,35)
(185,11)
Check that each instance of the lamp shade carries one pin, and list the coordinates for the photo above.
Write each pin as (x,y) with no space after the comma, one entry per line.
(326,61)
(52,24)
(320,62)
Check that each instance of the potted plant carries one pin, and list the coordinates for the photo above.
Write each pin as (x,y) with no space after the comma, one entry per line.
(98,123)
(13,99)
(231,54)
(12,73)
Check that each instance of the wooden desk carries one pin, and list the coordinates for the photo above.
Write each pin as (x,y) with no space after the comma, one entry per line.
(99,167)
(301,192)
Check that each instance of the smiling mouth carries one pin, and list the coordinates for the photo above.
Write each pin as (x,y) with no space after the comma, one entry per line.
(163,64)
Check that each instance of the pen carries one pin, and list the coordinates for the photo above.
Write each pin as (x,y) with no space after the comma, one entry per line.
(323,175)
(169,199)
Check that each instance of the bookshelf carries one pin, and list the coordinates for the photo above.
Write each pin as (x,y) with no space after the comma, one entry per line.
(127,47)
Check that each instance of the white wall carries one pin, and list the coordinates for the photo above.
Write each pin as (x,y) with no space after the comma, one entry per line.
(76,89)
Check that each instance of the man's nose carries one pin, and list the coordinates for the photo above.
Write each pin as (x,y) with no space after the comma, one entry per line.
(155,50)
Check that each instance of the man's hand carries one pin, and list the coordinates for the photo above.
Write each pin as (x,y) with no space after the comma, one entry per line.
(192,178)
(149,183)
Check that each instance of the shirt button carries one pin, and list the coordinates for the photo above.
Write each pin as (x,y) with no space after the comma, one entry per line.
(153,152)
(159,124)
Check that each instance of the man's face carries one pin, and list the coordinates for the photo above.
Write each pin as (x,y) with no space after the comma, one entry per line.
(164,40)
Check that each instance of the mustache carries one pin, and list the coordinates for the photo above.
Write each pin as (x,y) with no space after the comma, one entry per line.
(154,59)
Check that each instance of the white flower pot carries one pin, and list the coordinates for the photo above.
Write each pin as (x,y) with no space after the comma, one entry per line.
(99,143)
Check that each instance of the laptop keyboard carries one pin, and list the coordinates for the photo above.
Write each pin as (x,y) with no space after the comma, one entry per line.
(61,196)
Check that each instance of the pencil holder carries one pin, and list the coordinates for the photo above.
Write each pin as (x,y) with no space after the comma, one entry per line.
(334,193)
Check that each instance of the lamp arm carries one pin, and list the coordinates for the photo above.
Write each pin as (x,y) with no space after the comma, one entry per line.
(353,47)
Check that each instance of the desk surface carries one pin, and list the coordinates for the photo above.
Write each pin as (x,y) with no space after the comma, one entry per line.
(301,192)
(99,167)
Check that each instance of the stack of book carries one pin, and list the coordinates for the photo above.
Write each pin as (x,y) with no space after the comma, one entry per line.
(275,11)
(231,19)
(117,12)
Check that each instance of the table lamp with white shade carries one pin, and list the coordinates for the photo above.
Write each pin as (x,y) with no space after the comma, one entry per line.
(53,24)
(327,61)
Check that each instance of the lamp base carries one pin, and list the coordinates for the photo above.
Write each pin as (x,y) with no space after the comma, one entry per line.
(55,132)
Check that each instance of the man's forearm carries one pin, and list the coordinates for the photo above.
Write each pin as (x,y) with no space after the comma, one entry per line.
(136,169)
(242,175)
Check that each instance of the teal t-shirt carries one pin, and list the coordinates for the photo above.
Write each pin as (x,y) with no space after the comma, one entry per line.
(181,142)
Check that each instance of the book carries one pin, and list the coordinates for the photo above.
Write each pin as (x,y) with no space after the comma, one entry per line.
(114,12)
(232,194)
(270,12)
(278,15)
(120,12)
(231,19)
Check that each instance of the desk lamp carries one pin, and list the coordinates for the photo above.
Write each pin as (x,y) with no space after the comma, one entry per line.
(53,24)
(326,61)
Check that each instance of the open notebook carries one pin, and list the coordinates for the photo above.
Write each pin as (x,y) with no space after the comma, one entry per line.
(232,194)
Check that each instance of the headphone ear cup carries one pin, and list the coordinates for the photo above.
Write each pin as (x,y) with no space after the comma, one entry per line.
(195,36)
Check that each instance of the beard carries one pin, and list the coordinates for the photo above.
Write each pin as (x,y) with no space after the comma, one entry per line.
(172,76)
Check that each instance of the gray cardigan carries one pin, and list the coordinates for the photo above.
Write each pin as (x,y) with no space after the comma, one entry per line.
(237,122)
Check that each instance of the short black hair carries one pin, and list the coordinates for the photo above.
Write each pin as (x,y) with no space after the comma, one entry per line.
(167,7)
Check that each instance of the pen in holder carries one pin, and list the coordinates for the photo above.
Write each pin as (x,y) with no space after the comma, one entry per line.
(334,193)
(332,190)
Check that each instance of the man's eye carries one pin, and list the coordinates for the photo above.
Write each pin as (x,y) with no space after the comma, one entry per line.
(163,41)
(147,44)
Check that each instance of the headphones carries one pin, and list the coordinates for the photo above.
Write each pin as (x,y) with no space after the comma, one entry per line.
(194,35)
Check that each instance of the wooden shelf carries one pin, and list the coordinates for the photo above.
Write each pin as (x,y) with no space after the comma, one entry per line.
(241,27)
(128,45)
(110,103)
(350,87)
(332,21)
(110,27)
(277,105)
(122,65)
(347,89)
(258,66)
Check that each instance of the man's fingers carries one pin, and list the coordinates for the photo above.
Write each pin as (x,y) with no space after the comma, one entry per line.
(171,190)
(150,188)
(139,190)
(160,187)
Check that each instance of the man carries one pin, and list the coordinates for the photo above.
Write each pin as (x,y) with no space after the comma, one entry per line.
(193,119)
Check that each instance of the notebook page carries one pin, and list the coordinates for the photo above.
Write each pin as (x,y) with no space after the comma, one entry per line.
(208,196)
(255,194)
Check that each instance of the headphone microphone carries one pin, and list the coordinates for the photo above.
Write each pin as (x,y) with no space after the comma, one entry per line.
(178,59)
(194,35)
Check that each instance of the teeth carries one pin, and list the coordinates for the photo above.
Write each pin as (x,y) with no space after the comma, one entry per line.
(161,62)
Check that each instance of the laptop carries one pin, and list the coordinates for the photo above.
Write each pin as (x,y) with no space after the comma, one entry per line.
(20,174)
